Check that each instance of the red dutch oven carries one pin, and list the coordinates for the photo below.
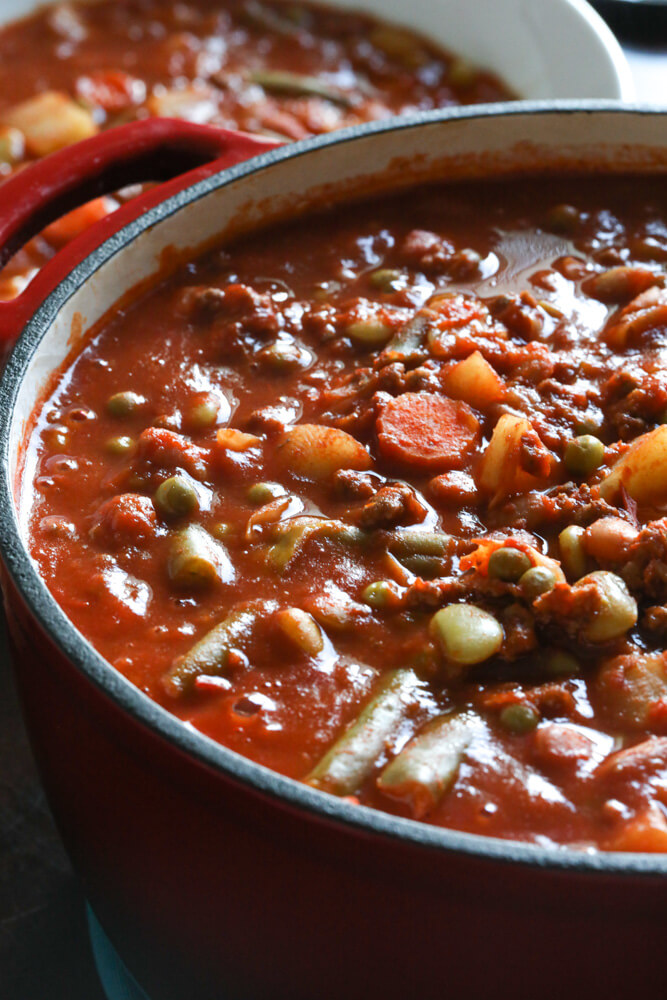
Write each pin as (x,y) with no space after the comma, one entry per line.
(212,876)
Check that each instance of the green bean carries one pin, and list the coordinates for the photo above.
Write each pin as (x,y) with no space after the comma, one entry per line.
(283,82)
(508,564)
(415,542)
(352,758)
(426,567)
(176,497)
(427,767)
(124,404)
(407,344)
(198,560)
(210,655)
(271,20)
(295,532)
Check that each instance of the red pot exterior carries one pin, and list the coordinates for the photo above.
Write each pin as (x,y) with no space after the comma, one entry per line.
(210,889)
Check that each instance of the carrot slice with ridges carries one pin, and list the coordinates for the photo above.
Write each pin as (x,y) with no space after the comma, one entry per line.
(427,431)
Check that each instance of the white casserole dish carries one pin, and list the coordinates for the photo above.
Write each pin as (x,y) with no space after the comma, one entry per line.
(544,49)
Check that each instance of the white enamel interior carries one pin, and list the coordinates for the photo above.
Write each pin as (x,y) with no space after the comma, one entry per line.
(385,160)
(544,49)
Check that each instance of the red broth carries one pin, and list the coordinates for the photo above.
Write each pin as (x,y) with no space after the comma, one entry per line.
(379,503)
(287,70)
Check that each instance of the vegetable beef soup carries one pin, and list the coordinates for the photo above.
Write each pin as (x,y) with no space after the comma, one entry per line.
(287,70)
(379,502)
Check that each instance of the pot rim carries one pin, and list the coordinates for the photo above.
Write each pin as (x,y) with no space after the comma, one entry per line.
(131,700)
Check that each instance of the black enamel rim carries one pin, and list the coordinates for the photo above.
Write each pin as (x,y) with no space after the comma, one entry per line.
(130,699)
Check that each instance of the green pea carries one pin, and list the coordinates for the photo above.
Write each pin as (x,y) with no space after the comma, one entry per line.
(176,497)
(203,414)
(508,564)
(519,718)
(584,454)
(379,594)
(537,580)
(369,332)
(262,493)
(285,356)
(588,425)
(564,219)
(124,404)
(386,279)
(462,74)
(119,445)
(465,634)
(560,663)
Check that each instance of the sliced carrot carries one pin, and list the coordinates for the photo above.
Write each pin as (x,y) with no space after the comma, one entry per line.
(63,230)
(427,432)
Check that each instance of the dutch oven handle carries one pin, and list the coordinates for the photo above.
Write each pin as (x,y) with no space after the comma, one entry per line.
(159,149)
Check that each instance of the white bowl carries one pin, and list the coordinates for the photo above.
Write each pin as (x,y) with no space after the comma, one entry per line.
(543,49)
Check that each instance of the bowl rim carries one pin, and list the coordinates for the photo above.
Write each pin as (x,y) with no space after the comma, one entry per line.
(179,736)
(604,47)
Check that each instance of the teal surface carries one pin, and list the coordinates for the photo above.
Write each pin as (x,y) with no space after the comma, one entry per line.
(116,981)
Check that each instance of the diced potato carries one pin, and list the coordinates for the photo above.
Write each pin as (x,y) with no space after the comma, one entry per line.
(642,471)
(50,121)
(192,104)
(502,468)
(316,452)
(475,382)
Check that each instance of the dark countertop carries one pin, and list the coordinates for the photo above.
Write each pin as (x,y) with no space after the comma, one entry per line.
(44,947)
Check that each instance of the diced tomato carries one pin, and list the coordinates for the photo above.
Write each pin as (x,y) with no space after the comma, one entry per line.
(128,519)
